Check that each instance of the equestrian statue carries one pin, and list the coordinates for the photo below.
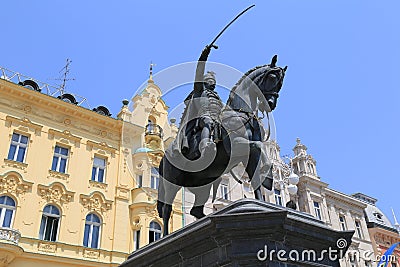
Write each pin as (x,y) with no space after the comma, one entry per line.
(213,138)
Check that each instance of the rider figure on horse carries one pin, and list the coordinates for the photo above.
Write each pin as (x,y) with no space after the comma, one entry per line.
(204,110)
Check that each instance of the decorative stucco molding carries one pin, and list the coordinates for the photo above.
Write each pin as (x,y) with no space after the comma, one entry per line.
(64,137)
(96,202)
(24,124)
(56,193)
(12,183)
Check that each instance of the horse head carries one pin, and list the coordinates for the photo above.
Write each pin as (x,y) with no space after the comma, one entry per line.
(269,80)
(263,83)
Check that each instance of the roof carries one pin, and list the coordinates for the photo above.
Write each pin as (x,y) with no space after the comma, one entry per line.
(376,218)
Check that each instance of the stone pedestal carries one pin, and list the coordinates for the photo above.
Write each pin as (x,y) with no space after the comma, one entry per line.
(248,233)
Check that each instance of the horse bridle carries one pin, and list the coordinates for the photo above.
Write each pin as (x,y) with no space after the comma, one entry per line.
(250,116)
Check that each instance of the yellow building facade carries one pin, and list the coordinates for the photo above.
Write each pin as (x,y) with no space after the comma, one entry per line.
(78,187)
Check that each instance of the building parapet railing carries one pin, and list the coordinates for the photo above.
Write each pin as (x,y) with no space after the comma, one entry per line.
(153,129)
(9,234)
(51,90)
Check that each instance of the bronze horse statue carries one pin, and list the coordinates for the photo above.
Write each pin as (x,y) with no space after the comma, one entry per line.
(242,135)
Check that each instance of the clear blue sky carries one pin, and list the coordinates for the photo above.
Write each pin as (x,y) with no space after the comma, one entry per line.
(341,92)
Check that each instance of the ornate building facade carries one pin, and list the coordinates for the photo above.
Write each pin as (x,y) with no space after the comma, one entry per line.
(296,181)
(383,234)
(77,186)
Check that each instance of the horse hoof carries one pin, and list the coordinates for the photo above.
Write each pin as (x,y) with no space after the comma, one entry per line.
(197,213)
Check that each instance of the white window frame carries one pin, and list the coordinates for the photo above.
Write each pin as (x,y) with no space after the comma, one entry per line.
(153,231)
(278,197)
(3,210)
(98,167)
(343,225)
(139,181)
(47,215)
(154,178)
(225,192)
(359,229)
(90,235)
(59,157)
(18,144)
(136,240)
(317,210)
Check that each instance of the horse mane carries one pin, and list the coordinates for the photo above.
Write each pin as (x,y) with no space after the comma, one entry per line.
(244,76)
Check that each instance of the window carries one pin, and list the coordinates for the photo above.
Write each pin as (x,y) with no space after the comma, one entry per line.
(18,146)
(154,232)
(278,197)
(98,170)
(358,229)
(310,168)
(139,181)
(136,240)
(246,188)
(92,231)
(154,178)
(224,192)
(353,262)
(7,208)
(60,159)
(50,222)
(317,210)
(342,222)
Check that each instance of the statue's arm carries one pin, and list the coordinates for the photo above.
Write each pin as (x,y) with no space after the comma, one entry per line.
(201,65)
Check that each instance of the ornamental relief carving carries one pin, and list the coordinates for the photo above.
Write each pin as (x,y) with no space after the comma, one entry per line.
(96,202)
(65,137)
(56,193)
(13,183)
(95,184)
(91,254)
(46,247)
(23,124)
(15,164)
(101,148)
(58,175)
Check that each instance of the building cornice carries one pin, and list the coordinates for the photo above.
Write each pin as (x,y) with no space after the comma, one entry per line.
(53,104)
(343,198)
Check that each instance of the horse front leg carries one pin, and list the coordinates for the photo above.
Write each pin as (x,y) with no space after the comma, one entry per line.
(259,164)
(202,194)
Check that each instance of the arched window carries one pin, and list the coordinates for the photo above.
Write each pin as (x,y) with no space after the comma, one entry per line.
(92,231)
(7,209)
(154,232)
(50,223)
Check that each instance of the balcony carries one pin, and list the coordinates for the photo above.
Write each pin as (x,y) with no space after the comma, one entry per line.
(9,248)
(153,129)
(10,235)
(153,134)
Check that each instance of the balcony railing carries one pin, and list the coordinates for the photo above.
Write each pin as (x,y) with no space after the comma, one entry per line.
(9,234)
(153,129)
(51,90)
